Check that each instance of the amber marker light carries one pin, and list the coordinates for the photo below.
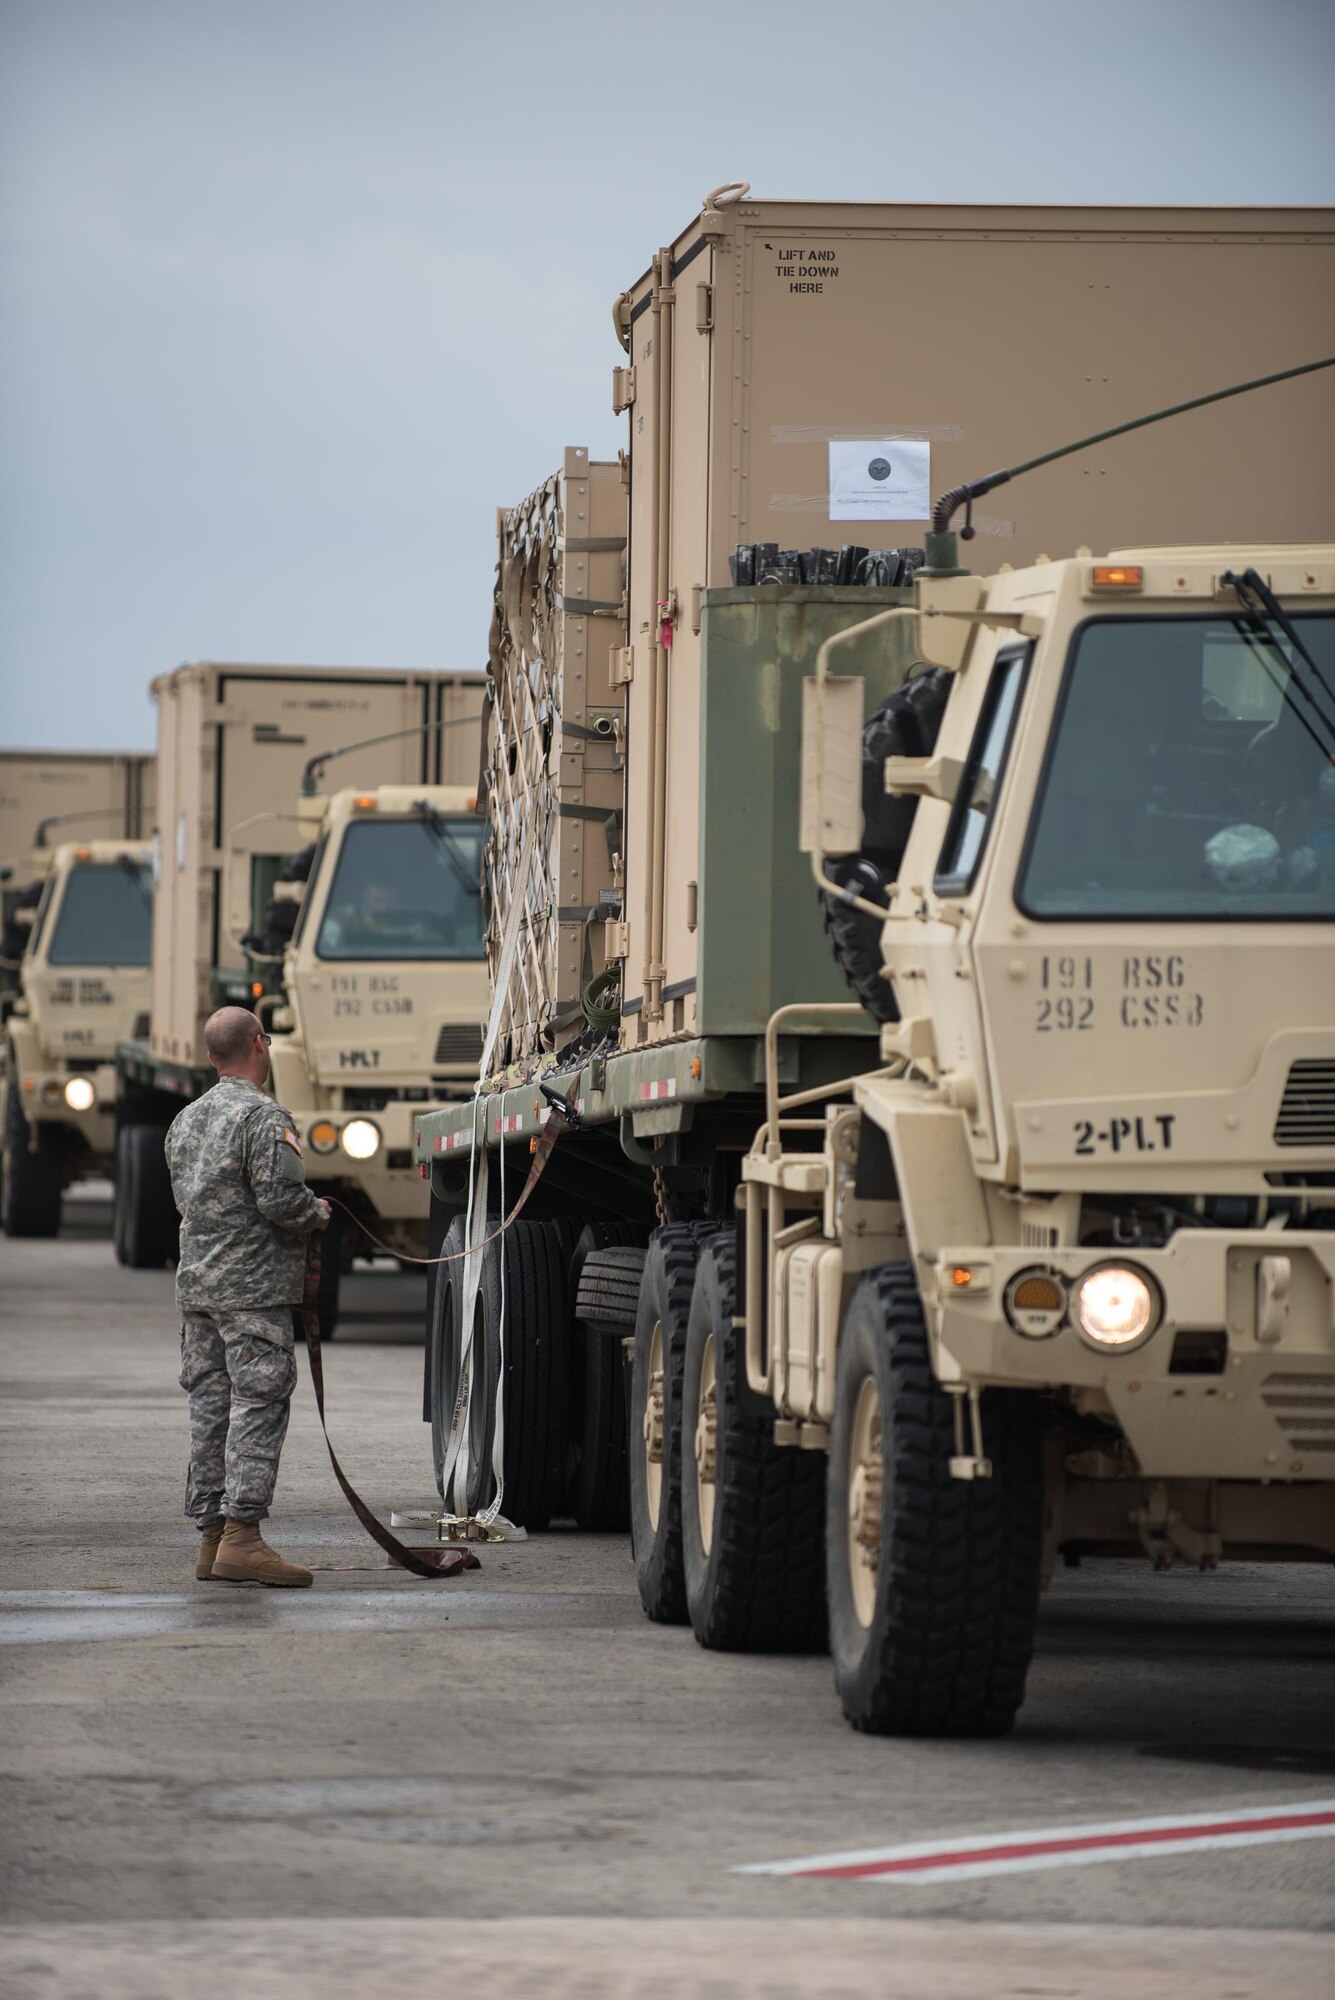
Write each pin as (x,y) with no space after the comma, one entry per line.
(322,1136)
(1035,1304)
(961,1277)
(1117,576)
(256,988)
(364,802)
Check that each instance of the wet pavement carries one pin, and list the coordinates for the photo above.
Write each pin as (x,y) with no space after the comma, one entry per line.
(514,1778)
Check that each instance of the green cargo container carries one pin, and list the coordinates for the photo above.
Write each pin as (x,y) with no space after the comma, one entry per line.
(761,943)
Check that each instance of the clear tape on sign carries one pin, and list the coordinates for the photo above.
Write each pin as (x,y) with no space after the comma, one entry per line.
(831,433)
(819,503)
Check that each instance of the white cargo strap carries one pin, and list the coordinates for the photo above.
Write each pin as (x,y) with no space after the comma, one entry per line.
(475,1228)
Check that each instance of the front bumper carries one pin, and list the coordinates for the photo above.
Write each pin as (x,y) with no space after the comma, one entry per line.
(390,1180)
(41,1093)
(1265,1301)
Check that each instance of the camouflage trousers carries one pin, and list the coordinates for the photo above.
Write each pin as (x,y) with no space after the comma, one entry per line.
(239,1371)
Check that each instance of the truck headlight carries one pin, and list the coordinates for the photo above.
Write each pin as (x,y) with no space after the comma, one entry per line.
(79,1093)
(361,1139)
(1116,1306)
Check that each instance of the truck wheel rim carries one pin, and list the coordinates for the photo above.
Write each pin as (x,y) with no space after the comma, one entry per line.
(865,1490)
(706,1445)
(652,1426)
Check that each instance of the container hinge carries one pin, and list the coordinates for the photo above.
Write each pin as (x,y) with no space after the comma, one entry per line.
(616,939)
(704,308)
(621,670)
(623,389)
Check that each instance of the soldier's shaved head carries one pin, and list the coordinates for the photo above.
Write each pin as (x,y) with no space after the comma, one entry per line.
(229,1035)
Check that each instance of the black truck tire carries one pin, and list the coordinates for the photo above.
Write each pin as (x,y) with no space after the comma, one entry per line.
(753,1512)
(597,1493)
(120,1199)
(444,1348)
(534,1368)
(905,725)
(607,1290)
(146,1224)
(655,1446)
(530,1367)
(933,1581)
(33,1177)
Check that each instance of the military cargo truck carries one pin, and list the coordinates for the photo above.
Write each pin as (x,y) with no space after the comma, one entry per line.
(320,913)
(47,796)
(798,378)
(1055,1278)
(83,987)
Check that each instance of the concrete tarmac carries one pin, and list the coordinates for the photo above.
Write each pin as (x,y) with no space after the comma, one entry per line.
(379,1783)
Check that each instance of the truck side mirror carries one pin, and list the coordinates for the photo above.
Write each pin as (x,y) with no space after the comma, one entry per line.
(832,765)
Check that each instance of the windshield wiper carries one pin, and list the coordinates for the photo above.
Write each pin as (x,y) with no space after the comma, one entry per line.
(135,871)
(450,847)
(1267,616)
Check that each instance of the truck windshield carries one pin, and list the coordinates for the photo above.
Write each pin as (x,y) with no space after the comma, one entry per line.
(405,889)
(1190,775)
(105,916)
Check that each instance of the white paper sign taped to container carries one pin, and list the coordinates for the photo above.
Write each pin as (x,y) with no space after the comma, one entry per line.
(880,479)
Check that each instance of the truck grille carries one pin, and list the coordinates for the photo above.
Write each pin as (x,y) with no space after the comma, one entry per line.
(458,1042)
(1307,1113)
(1304,1408)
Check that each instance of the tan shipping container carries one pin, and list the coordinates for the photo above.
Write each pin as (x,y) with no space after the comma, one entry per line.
(233,742)
(770,332)
(555,748)
(76,794)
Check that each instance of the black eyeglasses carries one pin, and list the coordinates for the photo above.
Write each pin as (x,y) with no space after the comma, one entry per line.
(266,1039)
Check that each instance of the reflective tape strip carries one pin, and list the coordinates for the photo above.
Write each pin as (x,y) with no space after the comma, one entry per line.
(963,1859)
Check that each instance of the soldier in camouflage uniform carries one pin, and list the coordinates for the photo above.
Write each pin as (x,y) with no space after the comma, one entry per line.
(246,1214)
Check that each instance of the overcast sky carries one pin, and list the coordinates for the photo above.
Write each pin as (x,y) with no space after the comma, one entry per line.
(295,292)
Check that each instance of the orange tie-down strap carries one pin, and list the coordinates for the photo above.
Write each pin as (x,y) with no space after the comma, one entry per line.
(429,1562)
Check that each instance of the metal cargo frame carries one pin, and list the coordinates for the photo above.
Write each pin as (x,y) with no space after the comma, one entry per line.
(554,759)
(673,1104)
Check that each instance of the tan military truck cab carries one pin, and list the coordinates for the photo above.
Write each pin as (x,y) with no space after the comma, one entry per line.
(386,990)
(1059,1278)
(83,988)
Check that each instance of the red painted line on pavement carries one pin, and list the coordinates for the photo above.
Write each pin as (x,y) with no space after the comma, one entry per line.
(1017,1850)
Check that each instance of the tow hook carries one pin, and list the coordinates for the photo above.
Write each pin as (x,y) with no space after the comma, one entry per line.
(969,1460)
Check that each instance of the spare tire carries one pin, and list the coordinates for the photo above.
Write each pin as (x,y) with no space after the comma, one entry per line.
(905,725)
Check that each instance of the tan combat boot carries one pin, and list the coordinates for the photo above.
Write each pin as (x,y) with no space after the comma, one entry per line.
(210,1534)
(244,1557)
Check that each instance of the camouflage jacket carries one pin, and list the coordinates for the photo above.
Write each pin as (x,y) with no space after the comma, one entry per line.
(246,1211)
